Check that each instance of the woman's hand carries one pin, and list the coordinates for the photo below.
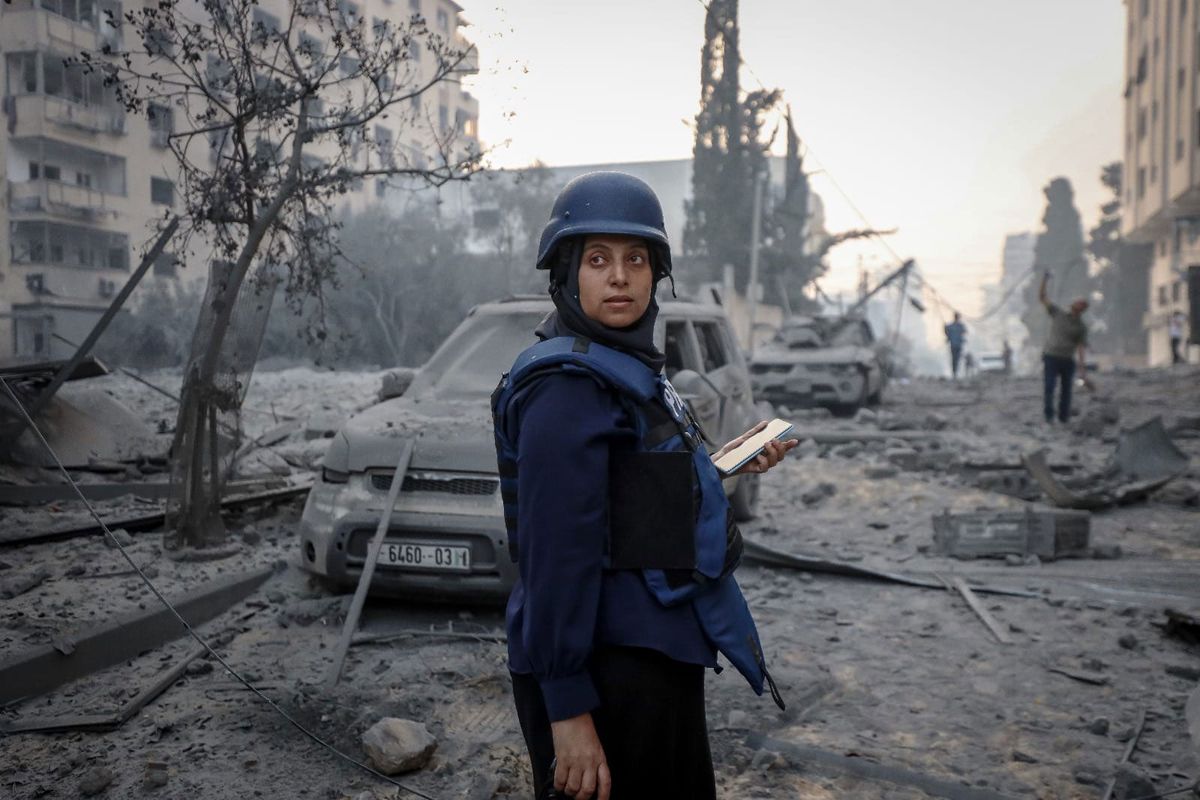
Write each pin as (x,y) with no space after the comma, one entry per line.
(772,453)
(581,770)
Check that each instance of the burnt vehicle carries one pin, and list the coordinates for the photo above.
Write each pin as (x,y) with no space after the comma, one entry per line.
(446,537)
(832,362)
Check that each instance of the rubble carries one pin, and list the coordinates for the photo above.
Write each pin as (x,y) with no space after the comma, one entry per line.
(396,746)
(1049,535)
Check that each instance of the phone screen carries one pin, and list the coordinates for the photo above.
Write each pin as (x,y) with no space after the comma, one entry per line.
(736,458)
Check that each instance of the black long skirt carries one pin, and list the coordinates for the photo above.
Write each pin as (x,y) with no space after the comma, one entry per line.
(650,722)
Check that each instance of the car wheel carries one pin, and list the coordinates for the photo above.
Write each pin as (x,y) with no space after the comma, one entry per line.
(744,499)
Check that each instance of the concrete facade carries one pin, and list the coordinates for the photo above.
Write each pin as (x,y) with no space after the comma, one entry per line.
(84,183)
(1161,199)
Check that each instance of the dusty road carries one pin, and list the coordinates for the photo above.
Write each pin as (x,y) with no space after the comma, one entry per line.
(893,691)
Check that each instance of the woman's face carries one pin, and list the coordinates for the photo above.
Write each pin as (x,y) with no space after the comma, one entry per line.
(615,279)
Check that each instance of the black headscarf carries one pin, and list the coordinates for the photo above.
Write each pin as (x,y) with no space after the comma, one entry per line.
(569,319)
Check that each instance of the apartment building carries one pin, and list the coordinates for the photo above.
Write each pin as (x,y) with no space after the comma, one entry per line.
(1161,203)
(84,182)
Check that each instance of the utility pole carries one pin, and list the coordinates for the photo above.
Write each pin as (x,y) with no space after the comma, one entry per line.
(752,286)
(900,308)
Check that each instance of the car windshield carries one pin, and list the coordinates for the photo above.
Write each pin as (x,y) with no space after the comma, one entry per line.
(799,337)
(470,362)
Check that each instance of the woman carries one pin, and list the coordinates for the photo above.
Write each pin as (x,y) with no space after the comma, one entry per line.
(622,535)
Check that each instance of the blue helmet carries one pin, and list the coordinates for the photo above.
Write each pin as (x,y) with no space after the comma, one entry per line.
(607,202)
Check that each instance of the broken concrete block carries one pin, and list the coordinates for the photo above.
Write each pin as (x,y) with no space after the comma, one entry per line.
(1099,726)
(996,534)
(19,584)
(95,781)
(818,493)
(882,471)
(848,450)
(398,745)
(1131,781)
(322,426)
(396,382)
(902,457)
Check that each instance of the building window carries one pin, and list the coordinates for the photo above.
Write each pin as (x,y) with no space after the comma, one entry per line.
(1141,123)
(1180,78)
(443,20)
(1179,149)
(1153,173)
(1141,192)
(162,192)
(83,179)
(68,246)
(1154,111)
(1145,7)
(380,187)
(1162,295)
(166,265)
(1182,8)
(1177,291)
(160,120)
(443,118)
(51,172)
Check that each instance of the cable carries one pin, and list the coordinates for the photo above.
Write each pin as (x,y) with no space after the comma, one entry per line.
(191,631)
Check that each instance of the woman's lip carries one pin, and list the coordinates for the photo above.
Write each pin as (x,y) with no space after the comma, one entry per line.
(619,300)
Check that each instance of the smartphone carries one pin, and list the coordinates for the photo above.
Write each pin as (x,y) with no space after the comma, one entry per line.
(739,456)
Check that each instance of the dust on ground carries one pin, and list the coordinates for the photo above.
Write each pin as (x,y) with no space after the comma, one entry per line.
(876,674)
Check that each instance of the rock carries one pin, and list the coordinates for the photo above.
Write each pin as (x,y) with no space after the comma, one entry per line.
(1128,641)
(1181,671)
(15,585)
(818,493)
(199,667)
(485,789)
(95,781)
(1099,726)
(398,745)
(881,472)
(1014,560)
(738,719)
(251,537)
(1130,782)
(1106,551)
(934,422)
(122,536)
(1031,560)
(1086,776)
(156,774)
(395,382)
(902,457)
(1023,757)
(865,416)
(848,450)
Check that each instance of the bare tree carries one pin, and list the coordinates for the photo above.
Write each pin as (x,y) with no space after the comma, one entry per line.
(272,121)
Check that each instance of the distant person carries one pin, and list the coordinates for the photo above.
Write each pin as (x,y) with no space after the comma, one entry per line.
(1066,338)
(1006,355)
(1175,324)
(956,334)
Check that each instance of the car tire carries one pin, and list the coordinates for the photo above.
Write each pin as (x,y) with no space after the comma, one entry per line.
(744,499)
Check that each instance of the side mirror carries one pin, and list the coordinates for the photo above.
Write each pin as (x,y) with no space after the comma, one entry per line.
(699,394)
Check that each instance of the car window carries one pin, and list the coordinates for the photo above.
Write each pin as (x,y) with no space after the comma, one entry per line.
(470,362)
(712,346)
(676,348)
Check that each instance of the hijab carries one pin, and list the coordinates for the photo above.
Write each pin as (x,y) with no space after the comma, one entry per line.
(569,319)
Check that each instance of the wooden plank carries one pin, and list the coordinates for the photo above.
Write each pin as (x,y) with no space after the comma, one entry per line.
(364,580)
(981,612)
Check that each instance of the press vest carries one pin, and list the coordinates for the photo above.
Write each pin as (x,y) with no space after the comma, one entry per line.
(668,513)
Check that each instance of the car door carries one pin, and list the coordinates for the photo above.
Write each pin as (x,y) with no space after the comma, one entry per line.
(725,370)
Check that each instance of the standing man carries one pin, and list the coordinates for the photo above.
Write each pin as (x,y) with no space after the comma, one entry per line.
(1006,356)
(956,334)
(1066,338)
(1175,331)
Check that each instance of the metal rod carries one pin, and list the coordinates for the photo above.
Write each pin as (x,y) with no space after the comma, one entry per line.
(752,285)
(364,580)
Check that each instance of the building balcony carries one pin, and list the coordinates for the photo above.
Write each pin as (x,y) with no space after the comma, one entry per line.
(57,117)
(63,200)
(35,28)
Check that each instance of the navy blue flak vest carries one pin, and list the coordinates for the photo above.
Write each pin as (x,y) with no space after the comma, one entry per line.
(668,514)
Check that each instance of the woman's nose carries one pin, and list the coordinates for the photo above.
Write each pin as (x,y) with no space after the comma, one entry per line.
(619,276)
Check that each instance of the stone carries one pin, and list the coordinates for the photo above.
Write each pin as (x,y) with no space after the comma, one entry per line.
(1128,641)
(738,719)
(818,493)
(95,781)
(1086,776)
(881,472)
(251,537)
(199,667)
(121,535)
(1023,757)
(866,416)
(1185,672)
(156,774)
(1099,726)
(1131,781)
(1106,551)
(1014,560)
(396,745)
(848,450)
(902,457)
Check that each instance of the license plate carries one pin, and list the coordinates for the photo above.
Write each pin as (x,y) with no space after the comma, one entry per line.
(425,556)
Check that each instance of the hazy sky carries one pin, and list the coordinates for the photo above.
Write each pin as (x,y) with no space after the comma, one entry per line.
(942,118)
